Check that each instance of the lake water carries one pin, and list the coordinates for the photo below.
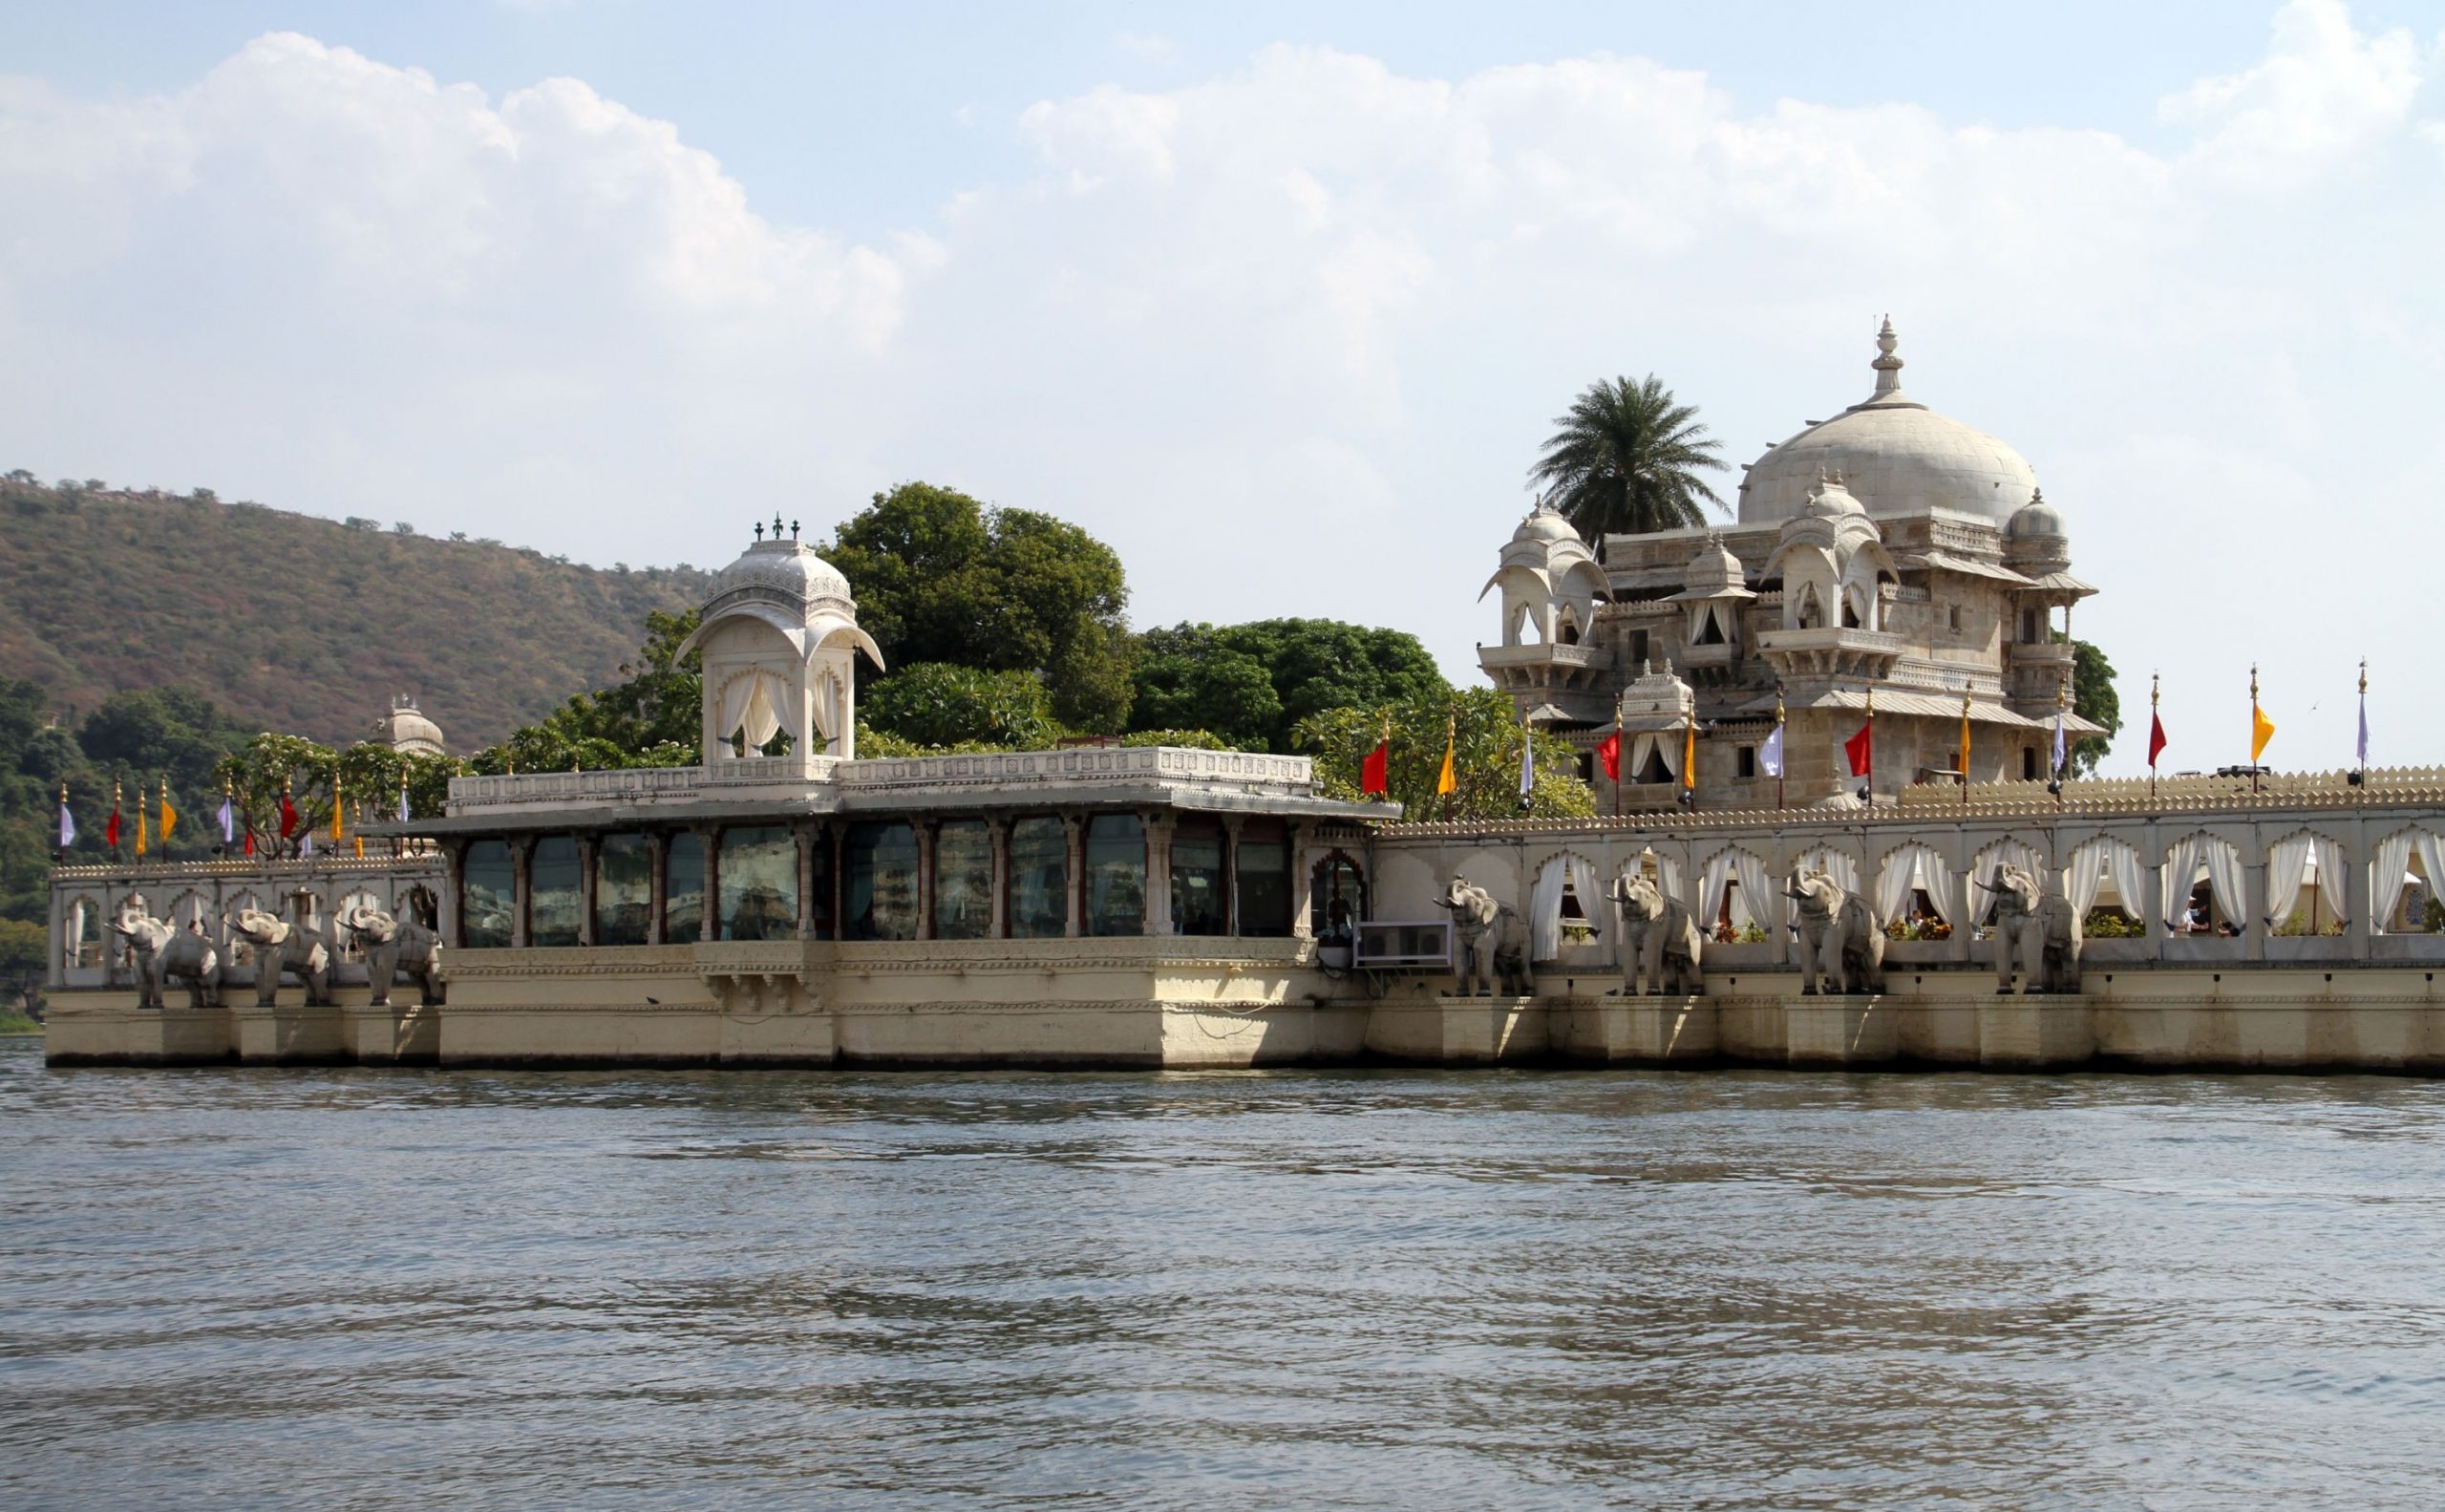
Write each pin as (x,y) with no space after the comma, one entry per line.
(401,1289)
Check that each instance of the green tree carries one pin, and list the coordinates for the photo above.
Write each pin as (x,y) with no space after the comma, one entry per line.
(1252,683)
(654,718)
(141,739)
(941,578)
(268,768)
(937,703)
(1485,733)
(24,962)
(1625,458)
(2093,700)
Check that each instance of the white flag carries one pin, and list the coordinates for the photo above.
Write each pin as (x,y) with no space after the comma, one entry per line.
(2363,763)
(67,826)
(1527,768)
(1769,755)
(2059,742)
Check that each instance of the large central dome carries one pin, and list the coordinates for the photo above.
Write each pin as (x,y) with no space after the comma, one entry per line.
(1896,454)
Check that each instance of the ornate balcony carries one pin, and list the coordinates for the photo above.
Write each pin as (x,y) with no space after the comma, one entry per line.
(1835,653)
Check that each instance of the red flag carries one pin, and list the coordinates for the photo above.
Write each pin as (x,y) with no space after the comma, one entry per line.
(250,841)
(288,817)
(1860,748)
(1609,755)
(110,834)
(2156,739)
(1375,772)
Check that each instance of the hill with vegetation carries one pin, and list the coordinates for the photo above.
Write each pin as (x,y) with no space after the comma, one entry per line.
(303,625)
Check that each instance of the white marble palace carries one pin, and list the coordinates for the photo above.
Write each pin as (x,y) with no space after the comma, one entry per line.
(1887,551)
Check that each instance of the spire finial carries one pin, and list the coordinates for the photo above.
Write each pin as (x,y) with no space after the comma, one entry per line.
(1889,367)
(759,530)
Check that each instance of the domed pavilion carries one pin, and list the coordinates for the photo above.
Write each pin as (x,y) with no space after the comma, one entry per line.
(1890,553)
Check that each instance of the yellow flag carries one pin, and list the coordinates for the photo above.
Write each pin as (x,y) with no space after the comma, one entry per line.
(169,815)
(139,821)
(2262,731)
(1690,759)
(1447,782)
(336,805)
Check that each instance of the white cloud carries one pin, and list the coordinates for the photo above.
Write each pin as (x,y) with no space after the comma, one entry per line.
(1287,337)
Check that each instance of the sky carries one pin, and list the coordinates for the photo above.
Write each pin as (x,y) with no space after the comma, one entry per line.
(1279,300)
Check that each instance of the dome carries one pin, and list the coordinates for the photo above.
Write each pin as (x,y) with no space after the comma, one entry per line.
(405,728)
(1545,523)
(1901,458)
(2036,517)
(1714,569)
(788,570)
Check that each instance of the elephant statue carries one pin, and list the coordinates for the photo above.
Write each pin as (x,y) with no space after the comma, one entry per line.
(2036,928)
(281,946)
(1491,940)
(392,944)
(163,954)
(1837,933)
(1659,940)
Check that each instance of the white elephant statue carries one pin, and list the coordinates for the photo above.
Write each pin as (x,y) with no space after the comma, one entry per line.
(163,954)
(1491,940)
(1659,941)
(2038,930)
(394,945)
(281,946)
(1839,935)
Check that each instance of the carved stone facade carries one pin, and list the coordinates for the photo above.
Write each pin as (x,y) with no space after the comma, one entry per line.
(1888,550)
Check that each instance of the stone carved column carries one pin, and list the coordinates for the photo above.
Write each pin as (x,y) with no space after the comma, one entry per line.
(808,835)
(927,834)
(1232,825)
(2355,892)
(2254,890)
(1073,893)
(999,827)
(708,925)
(454,887)
(1158,827)
(588,847)
(522,864)
(837,835)
(657,885)
(1302,882)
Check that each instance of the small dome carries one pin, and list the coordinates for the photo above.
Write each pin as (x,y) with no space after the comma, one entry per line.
(405,728)
(1830,498)
(1545,523)
(1901,457)
(788,570)
(2036,517)
(1714,569)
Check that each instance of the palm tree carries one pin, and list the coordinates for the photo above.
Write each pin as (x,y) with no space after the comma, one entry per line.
(1626,458)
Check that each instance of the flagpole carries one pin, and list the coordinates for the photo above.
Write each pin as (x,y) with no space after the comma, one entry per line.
(2060,755)
(2360,746)
(2154,725)
(1617,754)
(1783,750)
(1965,747)
(2254,746)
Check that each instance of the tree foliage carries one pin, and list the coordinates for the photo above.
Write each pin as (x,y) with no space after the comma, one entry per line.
(1485,735)
(1626,457)
(2093,700)
(653,718)
(937,703)
(1252,684)
(941,578)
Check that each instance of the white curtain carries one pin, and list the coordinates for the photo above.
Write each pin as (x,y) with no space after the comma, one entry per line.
(2288,864)
(752,705)
(1545,911)
(2330,859)
(1893,881)
(2125,863)
(2387,875)
(1591,902)
(1667,876)
(75,943)
(2182,870)
(1754,898)
(1713,878)
(2431,860)
(2225,877)
(1834,864)
(2084,876)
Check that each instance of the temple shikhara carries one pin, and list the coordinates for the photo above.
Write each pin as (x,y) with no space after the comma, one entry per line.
(1795,865)
(1888,553)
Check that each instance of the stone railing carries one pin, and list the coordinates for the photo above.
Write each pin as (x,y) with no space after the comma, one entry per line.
(1544,654)
(421,857)
(1079,765)
(1252,770)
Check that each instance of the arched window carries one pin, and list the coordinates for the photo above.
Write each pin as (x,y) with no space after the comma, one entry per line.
(1568,634)
(1339,900)
(2403,882)
(1710,627)
(2202,886)
(80,942)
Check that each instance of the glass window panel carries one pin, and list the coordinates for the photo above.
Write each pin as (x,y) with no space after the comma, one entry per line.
(1115,875)
(963,880)
(1340,900)
(759,882)
(1198,903)
(622,890)
(683,895)
(1264,881)
(552,885)
(880,877)
(487,891)
(1039,879)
